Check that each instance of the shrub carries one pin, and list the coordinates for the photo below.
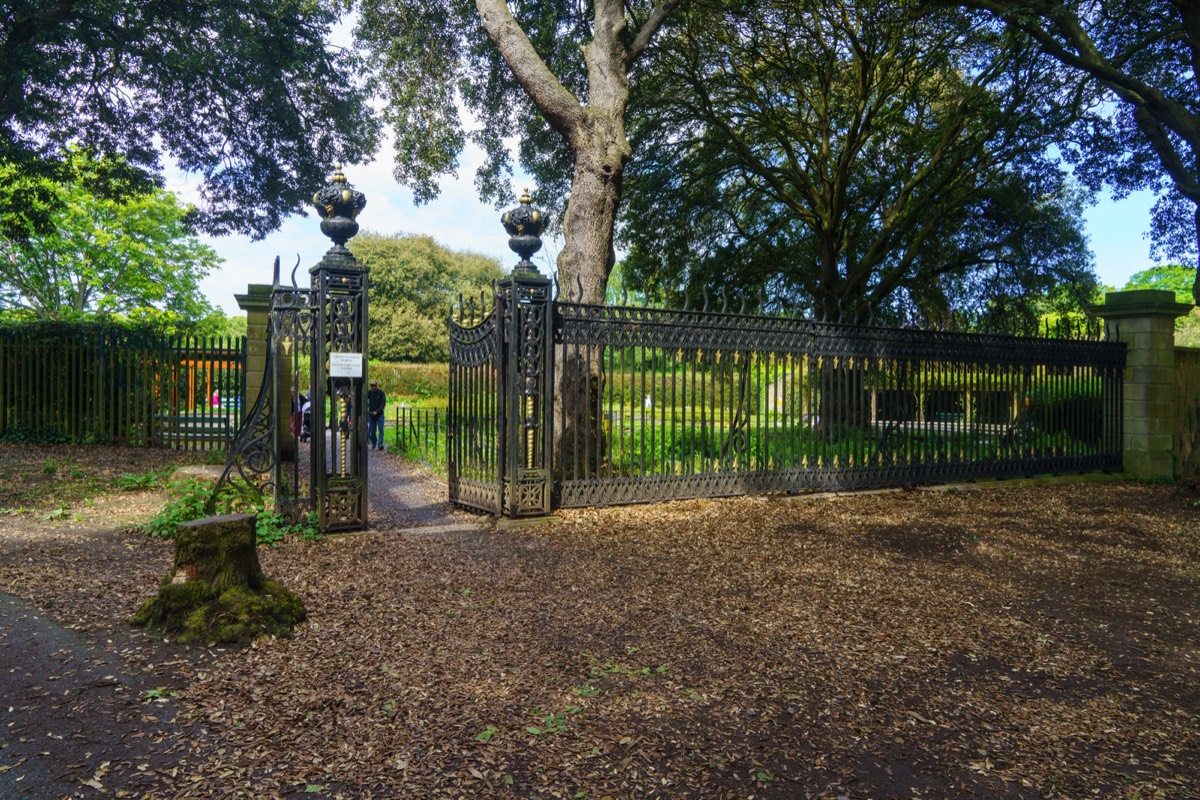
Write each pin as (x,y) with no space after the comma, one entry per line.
(413,381)
(190,502)
(1073,407)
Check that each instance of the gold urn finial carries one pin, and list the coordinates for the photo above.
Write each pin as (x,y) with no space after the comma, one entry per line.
(338,204)
(524,225)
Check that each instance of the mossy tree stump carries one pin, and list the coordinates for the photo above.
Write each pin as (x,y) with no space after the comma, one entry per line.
(216,591)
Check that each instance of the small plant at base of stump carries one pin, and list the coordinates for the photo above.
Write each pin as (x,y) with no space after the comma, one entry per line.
(216,590)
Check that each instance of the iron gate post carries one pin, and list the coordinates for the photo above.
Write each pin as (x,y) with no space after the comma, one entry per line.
(339,287)
(526,306)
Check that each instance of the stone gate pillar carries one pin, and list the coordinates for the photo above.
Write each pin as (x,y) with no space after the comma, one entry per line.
(1145,320)
(256,302)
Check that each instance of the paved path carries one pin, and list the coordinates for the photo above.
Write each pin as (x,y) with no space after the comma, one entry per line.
(70,713)
(402,497)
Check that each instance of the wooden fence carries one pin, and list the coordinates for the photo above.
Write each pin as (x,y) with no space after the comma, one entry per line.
(116,387)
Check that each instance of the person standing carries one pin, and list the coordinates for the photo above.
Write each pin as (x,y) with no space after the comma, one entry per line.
(376,401)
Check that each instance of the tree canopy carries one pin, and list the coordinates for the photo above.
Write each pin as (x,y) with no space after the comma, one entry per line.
(844,156)
(554,74)
(1144,54)
(245,93)
(413,282)
(1170,277)
(104,254)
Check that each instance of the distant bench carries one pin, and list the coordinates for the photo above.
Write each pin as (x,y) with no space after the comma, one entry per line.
(174,429)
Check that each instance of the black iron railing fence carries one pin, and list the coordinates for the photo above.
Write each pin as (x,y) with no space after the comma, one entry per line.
(421,433)
(114,387)
(644,404)
(693,404)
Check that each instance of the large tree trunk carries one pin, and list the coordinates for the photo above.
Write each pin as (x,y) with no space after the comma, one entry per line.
(580,446)
(584,263)
(587,255)
(595,131)
(844,406)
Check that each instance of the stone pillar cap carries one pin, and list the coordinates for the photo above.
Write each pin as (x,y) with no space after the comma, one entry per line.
(257,296)
(1141,303)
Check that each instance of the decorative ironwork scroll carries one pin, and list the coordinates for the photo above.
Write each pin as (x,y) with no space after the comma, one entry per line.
(266,457)
(293,318)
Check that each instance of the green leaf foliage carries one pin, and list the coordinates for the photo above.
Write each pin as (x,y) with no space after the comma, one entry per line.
(106,255)
(413,282)
(852,159)
(245,93)
(1139,58)
(190,501)
(1169,277)
(1180,280)
(427,57)
(136,327)
(555,76)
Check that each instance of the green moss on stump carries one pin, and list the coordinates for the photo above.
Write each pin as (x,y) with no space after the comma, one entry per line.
(216,590)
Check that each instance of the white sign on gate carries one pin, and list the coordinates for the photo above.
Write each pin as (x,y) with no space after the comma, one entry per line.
(345,365)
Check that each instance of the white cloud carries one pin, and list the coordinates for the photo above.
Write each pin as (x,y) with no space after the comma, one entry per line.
(456,218)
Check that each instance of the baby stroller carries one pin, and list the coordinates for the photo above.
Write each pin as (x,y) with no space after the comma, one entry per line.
(302,419)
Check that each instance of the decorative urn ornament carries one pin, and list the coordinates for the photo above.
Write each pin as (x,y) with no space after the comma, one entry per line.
(338,204)
(524,225)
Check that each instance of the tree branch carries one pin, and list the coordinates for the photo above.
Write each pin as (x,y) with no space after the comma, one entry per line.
(1087,58)
(560,108)
(657,17)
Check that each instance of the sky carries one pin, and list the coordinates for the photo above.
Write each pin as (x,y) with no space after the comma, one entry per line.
(459,221)
(456,219)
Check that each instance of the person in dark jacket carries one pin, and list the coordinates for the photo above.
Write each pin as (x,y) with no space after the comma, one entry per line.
(376,400)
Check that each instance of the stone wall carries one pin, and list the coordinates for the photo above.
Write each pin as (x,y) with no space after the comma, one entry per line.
(1187,412)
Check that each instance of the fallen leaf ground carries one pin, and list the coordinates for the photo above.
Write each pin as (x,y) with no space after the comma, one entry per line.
(1027,642)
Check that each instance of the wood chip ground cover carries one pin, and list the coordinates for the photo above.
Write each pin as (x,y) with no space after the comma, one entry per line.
(1033,642)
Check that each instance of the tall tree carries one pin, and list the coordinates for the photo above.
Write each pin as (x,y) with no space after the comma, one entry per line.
(844,154)
(106,255)
(247,93)
(413,282)
(557,73)
(1146,55)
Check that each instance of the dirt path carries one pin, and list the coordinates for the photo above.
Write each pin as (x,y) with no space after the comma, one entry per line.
(1021,642)
(92,710)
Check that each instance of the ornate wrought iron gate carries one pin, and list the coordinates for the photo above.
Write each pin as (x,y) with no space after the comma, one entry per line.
(304,441)
(501,376)
(474,418)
